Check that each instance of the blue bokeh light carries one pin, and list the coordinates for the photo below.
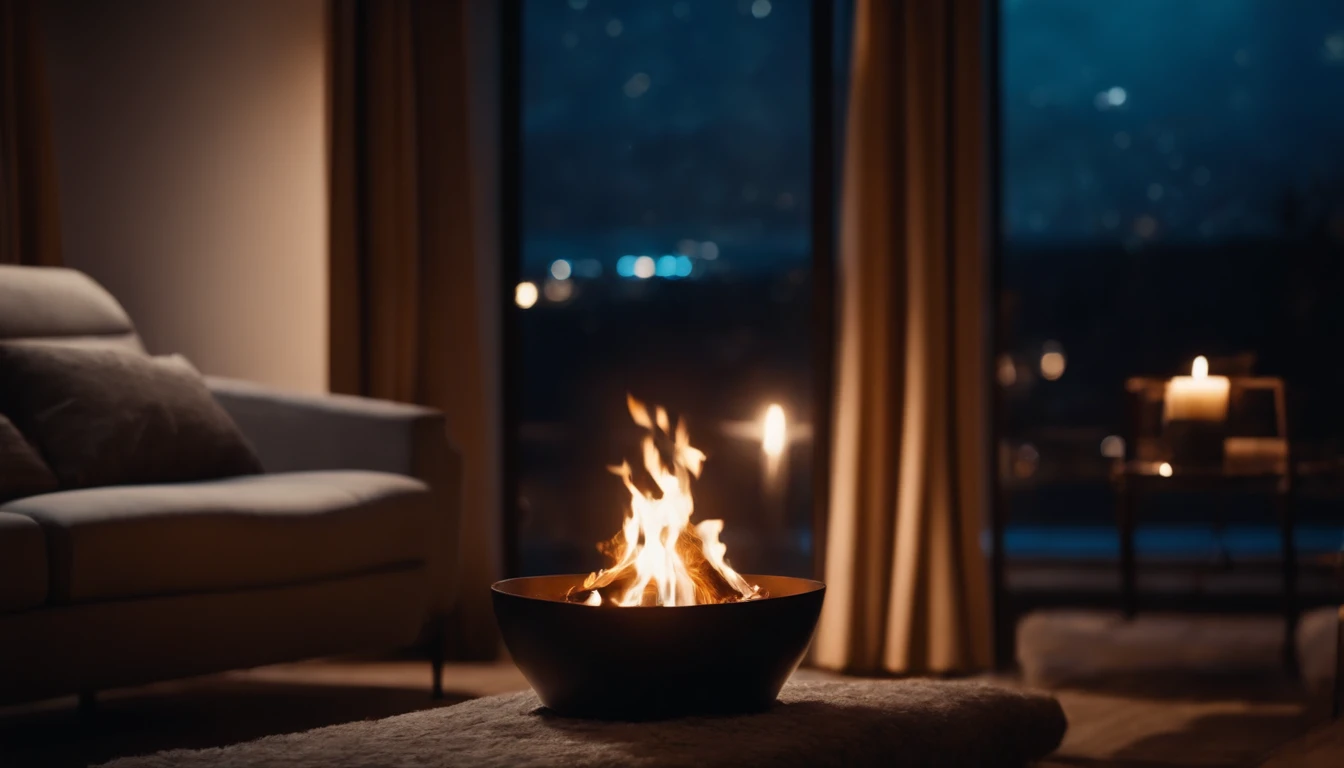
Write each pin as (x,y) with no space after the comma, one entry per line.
(667,266)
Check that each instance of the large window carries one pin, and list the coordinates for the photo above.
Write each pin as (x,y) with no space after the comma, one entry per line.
(665,198)
(1172,186)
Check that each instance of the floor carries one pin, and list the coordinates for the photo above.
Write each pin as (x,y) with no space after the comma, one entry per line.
(1159,692)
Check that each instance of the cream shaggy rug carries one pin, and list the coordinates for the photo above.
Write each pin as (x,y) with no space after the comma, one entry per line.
(815,723)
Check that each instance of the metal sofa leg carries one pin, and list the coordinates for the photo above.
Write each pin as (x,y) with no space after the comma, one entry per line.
(437,638)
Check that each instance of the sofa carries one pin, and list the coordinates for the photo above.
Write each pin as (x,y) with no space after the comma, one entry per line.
(346,543)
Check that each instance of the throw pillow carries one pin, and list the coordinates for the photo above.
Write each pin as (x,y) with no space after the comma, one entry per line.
(111,417)
(22,471)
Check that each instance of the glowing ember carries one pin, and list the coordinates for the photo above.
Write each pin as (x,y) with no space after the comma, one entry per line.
(659,557)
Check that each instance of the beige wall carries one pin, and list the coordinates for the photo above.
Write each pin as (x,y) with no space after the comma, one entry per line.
(191,146)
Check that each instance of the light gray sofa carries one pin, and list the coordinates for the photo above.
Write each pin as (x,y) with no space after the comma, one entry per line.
(348,543)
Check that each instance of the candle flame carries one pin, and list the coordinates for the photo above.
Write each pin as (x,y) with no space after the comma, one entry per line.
(1200,368)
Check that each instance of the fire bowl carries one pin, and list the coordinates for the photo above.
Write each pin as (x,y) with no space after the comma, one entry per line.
(648,663)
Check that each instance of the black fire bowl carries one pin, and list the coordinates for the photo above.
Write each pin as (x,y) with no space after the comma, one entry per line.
(651,663)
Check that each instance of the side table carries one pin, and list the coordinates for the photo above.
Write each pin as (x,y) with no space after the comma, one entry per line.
(1134,478)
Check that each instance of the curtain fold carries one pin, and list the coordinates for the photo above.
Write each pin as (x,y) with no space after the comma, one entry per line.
(413,296)
(30,231)
(906,577)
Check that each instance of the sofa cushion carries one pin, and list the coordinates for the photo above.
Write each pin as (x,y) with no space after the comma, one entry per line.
(23,563)
(107,417)
(22,471)
(259,530)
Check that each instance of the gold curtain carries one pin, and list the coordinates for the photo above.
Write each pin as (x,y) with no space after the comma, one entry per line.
(907,586)
(413,296)
(30,231)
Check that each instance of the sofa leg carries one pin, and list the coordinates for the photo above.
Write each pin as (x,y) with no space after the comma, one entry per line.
(436,642)
(88,704)
(436,667)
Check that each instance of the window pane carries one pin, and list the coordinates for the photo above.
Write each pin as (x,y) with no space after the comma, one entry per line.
(1173,186)
(666,253)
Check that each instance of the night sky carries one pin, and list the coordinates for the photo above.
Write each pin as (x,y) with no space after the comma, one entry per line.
(1168,119)
(653,126)
(652,122)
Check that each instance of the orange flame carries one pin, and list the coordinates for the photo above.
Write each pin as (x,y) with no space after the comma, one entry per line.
(660,557)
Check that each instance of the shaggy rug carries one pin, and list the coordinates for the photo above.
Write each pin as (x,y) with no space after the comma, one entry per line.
(815,723)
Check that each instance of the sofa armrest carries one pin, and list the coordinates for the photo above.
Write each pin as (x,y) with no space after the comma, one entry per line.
(295,432)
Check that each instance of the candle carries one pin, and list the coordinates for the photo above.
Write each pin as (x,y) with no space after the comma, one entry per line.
(1197,397)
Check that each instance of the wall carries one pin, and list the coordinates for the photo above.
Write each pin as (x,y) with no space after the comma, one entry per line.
(192,155)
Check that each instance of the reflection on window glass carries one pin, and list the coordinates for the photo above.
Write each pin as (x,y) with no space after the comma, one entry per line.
(665,228)
(1173,186)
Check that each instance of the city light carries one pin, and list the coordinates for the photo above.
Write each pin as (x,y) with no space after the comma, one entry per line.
(670,266)
(760,9)
(1113,447)
(1007,371)
(667,266)
(525,294)
(1145,226)
(561,269)
(645,267)
(637,85)
(558,291)
(1111,98)
(1052,361)
(1025,461)
(1334,47)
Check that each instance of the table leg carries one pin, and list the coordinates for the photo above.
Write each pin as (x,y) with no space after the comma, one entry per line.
(1129,598)
(1286,532)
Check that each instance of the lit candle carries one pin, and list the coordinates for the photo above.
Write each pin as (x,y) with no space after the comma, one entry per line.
(1197,397)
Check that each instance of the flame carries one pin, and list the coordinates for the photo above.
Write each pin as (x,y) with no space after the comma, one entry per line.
(1200,368)
(660,557)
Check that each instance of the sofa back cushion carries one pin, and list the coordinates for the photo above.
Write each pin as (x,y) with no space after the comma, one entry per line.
(61,306)
(110,417)
(22,471)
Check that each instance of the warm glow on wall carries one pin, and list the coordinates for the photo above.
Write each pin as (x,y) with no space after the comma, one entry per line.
(774,431)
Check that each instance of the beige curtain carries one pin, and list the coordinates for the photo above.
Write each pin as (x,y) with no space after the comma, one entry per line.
(414,289)
(30,231)
(907,587)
